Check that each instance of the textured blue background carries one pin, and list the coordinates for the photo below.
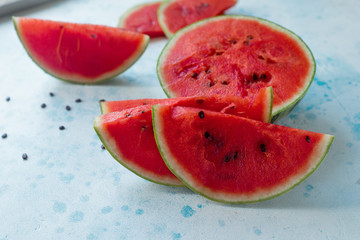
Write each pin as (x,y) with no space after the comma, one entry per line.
(69,188)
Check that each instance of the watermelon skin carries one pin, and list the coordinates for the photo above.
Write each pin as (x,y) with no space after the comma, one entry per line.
(174,15)
(126,130)
(79,53)
(227,54)
(142,18)
(259,108)
(232,159)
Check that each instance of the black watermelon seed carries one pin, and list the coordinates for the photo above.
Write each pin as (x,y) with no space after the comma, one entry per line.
(246,43)
(254,76)
(43,105)
(201,114)
(62,128)
(7,99)
(206,135)
(194,75)
(224,83)
(235,155)
(307,138)
(142,111)
(143,128)
(102,147)
(233,41)
(51,94)
(78,100)
(127,115)
(24,156)
(263,147)
(250,37)
(199,101)
(93,35)
(263,76)
(68,108)
(227,158)
(4,136)
(102,100)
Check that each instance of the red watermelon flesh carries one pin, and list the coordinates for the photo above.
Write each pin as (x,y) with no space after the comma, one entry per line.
(258,108)
(174,15)
(81,53)
(237,55)
(232,159)
(128,134)
(143,19)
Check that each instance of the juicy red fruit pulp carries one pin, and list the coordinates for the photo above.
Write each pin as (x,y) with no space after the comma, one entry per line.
(234,56)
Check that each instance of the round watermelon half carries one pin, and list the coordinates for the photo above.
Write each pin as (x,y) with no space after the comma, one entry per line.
(174,15)
(142,18)
(232,159)
(126,129)
(79,53)
(237,55)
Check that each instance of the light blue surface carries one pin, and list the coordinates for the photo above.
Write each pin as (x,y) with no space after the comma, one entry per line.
(69,188)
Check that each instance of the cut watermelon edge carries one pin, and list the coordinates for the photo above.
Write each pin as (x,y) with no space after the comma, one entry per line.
(110,146)
(80,79)
(165,152)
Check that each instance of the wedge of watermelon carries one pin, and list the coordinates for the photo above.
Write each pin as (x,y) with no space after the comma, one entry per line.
(232,159)
(142,18)
(80,53)
(258,108)
(127,132)
(237,55)
(174,15)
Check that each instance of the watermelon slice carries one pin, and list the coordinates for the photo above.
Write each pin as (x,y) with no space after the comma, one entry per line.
(80,53)
(232,159)
(127,133)
(174,15)
(237,55)
(142,18)
(258,108)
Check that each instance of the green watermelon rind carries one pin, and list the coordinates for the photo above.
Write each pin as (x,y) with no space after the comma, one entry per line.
(117,156)
(327,142)
(81,80)
(281,110)
(162,24)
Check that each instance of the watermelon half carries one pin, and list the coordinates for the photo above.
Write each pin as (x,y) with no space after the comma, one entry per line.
(142,18)
(174,15)
(126,129)
(237,55)
(232,159)
(80,53)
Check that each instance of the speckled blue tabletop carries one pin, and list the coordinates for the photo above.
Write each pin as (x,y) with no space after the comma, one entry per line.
(70,188)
